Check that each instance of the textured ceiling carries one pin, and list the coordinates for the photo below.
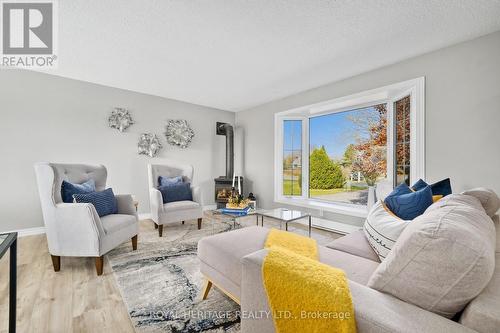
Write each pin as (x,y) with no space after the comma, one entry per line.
(236,54)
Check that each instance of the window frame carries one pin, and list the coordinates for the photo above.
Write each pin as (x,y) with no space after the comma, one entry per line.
(303,144)
(389,95)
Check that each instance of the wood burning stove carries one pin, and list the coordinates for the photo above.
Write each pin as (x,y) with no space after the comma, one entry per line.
(223,188)
(223,184)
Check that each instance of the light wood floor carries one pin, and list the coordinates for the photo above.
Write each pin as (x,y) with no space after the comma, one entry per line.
(74,299)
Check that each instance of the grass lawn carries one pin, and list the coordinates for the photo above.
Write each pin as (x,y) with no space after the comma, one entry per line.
(289,185)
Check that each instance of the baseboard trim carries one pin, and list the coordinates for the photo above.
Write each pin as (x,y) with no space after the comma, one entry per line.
(147,216)
(41,230)
(28,231)
(209,207)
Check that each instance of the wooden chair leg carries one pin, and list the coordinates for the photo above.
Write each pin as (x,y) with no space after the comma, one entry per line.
(206,289)
(134,243)
(199,223)
(56,262)
(160,230)
(99,264)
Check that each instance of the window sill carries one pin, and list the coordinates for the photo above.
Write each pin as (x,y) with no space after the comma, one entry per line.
(340,208)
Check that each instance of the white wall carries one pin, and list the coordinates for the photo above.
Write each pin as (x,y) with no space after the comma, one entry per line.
(462,115)
(48,118)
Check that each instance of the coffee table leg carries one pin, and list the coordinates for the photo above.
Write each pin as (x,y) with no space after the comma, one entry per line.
(257,219)
(286,226)
(262,221)
(13,287)
(309,225)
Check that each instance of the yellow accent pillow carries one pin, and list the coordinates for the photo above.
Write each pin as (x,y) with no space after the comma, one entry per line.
(436,198)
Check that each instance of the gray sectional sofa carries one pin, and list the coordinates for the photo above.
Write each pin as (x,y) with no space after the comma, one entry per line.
(233,261)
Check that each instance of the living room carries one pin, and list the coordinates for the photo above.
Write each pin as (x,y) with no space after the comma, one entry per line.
(267,166)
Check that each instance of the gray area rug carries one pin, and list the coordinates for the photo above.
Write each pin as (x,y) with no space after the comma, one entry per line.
(161,282)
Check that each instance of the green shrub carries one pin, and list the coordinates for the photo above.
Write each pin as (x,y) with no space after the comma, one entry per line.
(324,173)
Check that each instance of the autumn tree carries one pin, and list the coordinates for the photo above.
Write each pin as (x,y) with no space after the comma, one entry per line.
(370,150)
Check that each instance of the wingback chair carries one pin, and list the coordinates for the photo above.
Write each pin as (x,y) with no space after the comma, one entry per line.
(178,211)
(75,229)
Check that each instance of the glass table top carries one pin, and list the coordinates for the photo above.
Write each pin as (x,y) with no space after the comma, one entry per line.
(6,241)
(283,214)
(250,212)
(3,237)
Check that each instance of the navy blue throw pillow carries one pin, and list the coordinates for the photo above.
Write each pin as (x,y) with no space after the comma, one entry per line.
(167,181)
(104,201)
(68,189)
(400,189)
(442,187)
(176,192)
(410,205)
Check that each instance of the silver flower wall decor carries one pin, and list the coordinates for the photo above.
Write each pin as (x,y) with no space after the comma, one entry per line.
(120,119)
(179,133)
(149,144)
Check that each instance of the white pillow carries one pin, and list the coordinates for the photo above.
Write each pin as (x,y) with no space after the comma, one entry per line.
(443,259)
(383,189)
(488,198)
(382,228)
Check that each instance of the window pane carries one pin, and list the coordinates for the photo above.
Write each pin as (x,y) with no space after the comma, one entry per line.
(403,153)
(347,154)
(402,172)
(402,137)
(292,157)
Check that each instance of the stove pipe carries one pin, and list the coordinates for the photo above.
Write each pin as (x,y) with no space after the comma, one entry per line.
(227,130)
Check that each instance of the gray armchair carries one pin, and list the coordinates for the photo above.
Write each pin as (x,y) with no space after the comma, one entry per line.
(178,211)
(75,229)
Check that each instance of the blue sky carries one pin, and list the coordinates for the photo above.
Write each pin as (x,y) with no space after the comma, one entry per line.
(334,131)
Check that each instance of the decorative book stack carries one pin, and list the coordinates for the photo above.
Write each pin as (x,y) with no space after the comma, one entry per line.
(236,211)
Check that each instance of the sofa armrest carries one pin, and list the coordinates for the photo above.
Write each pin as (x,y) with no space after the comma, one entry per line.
(155,203)
(374,311)
(197,196)
(126,204)
(77,230)
(253,295)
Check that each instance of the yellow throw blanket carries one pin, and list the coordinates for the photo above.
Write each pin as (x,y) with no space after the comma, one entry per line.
(304,294)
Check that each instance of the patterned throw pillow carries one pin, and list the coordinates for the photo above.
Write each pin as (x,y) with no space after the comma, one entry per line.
(409,205)
(68,189)
(104,201)
(177,192)
(167,181)
(382,228)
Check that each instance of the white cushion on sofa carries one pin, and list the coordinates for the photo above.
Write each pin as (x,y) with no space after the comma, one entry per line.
(443,259)
(382,228)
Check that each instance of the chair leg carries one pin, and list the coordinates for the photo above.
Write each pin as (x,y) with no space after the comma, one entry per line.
(199,223)
(160,230)
(206,289)
(156,225)
(134,243)
(99,264)
(56,262)
(183,222)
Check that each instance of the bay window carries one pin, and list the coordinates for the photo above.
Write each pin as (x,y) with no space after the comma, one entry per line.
(329,155)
